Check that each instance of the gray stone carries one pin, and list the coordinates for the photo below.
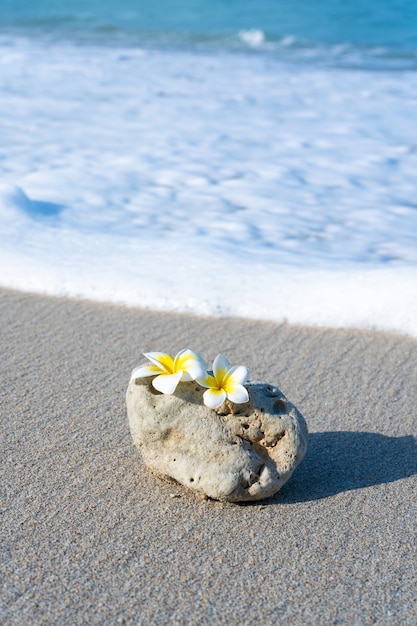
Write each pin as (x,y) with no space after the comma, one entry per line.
(237,452)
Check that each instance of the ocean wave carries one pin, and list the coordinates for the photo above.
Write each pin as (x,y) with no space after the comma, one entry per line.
(252,37)
(360,33)
(211,183)
(285,48)
(343,54)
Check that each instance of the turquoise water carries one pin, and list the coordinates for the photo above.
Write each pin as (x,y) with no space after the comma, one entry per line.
(253,158)
(387,24)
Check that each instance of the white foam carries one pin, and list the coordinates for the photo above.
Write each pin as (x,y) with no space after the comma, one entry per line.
(252,37)
(214,184)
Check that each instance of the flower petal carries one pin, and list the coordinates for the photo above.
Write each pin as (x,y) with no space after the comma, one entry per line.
(162,360)
(237,375)
(207,381)
(238,394)
(213,398)
(191,364)
(145,370)
(220,368)
(167,383)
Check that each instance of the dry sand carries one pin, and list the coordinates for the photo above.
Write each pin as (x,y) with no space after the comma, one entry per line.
(89,537)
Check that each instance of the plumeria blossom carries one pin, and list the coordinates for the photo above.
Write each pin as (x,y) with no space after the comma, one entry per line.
(226,382)
(169,371)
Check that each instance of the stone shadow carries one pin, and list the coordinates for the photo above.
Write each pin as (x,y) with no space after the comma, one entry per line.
(344,461)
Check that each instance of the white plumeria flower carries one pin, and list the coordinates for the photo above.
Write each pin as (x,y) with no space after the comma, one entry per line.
(226,382)
(169,371)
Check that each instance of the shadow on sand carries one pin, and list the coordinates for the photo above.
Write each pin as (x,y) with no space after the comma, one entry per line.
(343,461)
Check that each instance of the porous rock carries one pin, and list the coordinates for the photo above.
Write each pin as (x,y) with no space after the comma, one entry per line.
(237,452)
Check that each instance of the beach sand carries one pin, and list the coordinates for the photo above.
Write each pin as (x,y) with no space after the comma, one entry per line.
(88,536)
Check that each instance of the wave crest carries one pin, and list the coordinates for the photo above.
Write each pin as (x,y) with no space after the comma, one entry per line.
(253,37)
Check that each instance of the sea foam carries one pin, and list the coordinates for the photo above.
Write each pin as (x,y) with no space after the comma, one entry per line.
(226,184)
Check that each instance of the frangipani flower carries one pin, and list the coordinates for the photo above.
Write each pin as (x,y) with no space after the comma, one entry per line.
(226,382)
(169,371)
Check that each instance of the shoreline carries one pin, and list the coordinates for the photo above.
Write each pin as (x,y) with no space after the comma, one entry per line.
(197,315)
(89,536)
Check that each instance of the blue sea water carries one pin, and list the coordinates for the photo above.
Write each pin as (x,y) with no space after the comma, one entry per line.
(254,158)
(382,32)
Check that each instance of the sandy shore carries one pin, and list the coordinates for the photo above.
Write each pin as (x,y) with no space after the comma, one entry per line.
(89,537)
